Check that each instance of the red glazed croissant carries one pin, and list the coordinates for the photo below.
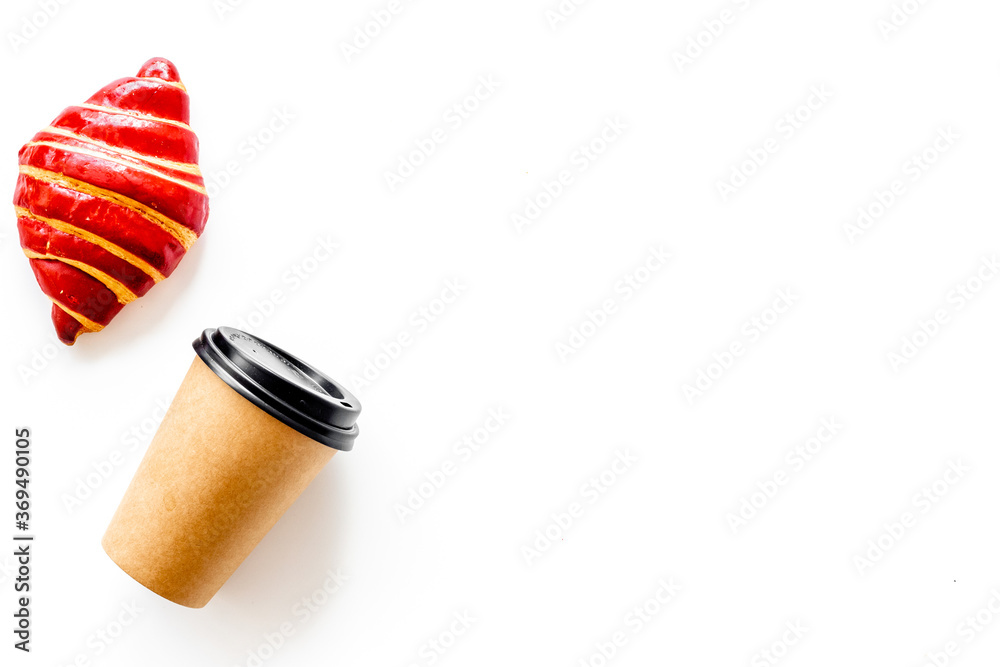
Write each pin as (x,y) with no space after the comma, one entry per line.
(109,197)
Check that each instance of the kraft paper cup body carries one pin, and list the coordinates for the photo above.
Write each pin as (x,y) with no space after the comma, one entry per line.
(217,476)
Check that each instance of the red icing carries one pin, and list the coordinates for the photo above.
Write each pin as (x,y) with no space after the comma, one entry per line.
(118,225)
(154,126)
(44,240)
(161,68)
(148,137)
(177,202)
(147,96)
(66,327)
(74,288)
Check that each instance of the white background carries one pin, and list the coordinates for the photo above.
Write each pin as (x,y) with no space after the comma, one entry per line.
(322,176)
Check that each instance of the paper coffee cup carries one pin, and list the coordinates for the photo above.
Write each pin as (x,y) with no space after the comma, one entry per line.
(249,428)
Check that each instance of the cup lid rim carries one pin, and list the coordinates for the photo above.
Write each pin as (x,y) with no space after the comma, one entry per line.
(282,385)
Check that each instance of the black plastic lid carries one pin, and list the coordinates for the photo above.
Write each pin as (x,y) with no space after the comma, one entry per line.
(287,388)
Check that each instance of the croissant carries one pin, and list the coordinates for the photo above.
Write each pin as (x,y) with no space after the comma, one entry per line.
(109,197)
